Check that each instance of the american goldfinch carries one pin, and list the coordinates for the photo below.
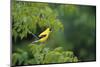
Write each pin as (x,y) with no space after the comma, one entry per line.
(43,36)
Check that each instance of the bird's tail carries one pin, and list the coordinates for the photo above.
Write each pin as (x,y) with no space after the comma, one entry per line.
(35,41)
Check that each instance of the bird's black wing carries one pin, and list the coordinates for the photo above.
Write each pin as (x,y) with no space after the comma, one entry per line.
(42,36)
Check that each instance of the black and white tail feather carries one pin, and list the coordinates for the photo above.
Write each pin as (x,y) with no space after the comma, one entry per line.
(35,41)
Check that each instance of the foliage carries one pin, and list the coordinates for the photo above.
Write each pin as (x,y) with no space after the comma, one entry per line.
(19,57)
(39,54)
(27,17)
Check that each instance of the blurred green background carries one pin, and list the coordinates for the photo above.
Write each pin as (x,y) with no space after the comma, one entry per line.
(79,29)
(73,26)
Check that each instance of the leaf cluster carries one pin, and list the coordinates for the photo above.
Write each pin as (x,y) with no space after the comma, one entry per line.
(27,17)
(39,54)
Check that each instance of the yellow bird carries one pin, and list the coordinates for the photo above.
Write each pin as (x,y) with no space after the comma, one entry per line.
(43,36)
